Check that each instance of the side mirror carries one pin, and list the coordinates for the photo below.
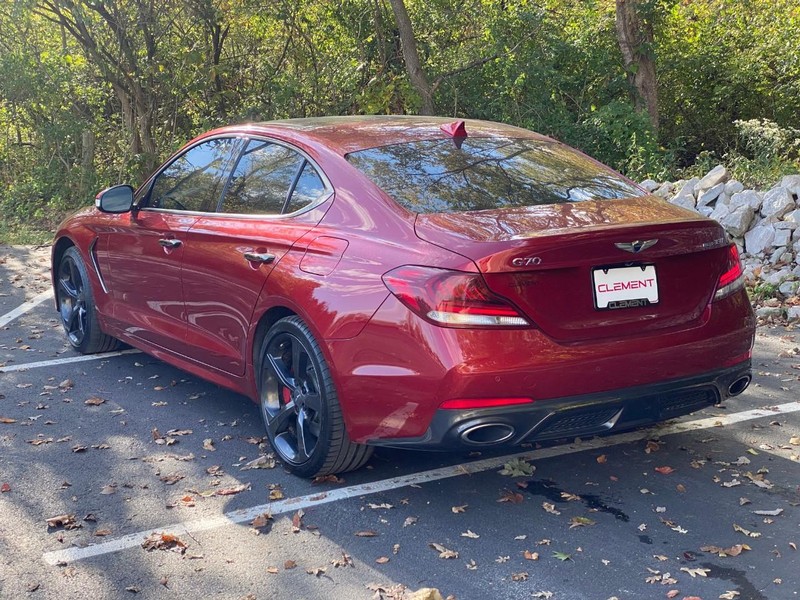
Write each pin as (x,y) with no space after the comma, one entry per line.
(116,199)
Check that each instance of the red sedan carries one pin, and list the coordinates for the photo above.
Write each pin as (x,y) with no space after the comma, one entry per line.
(410,282)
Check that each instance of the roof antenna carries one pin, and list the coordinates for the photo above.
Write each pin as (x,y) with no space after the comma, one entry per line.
(457,130)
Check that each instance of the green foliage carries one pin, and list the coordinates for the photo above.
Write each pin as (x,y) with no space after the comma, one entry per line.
(728,72)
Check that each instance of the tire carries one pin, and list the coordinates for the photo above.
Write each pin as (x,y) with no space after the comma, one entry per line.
(76,306)
(300,406)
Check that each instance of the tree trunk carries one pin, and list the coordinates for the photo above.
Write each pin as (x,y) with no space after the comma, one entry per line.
(411,57)
(635,37)
(87,161)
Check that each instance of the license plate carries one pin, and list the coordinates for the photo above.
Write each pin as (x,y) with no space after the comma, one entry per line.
(625,287)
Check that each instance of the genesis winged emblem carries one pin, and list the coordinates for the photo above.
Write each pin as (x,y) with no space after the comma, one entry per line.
(636,246)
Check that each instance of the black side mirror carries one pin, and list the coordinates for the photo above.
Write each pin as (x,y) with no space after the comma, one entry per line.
(116,199)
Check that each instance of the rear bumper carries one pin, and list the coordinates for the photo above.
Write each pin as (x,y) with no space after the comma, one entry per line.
(575,416)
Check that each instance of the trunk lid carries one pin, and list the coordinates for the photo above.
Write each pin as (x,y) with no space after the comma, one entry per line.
(549,261)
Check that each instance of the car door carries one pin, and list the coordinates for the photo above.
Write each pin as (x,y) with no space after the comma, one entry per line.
(268,205)
(145,251)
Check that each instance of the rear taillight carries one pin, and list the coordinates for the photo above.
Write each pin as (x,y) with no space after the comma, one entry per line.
(732,278)
(451,298)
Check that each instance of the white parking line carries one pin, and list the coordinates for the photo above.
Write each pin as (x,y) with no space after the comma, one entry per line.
(65,361)
(293,504)
(25,307)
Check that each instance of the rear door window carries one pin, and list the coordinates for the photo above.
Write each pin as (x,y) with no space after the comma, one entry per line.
(433,176)
(262,179)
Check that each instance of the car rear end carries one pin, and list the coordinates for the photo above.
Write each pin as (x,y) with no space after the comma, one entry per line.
(582,305)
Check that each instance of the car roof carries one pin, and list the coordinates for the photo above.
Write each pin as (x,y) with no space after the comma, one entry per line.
(352,133)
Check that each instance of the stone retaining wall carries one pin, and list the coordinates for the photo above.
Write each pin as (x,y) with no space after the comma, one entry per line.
(764,224)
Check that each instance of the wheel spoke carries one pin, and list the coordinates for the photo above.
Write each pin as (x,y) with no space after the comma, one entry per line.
(280,422)
(75,277)
(73,319)
(304,445)
(282,372)
(66,287)
(312,401)
(297,354)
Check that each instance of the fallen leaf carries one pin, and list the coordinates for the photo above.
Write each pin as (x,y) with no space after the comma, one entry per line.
(664,470)
(276,494)
(443,552)
(730,595)
(266,461)
(602,459)
(699,572)
(517,467)
(579,522)
(459,509)
(5,488)
(94,401)
(326,479)
(746,532)
(208,444)
(67,521)
(7,420)
(528,555)
(651,446)
(569,497)
(366,533)
(261,520)
(379,506)
(409,521)
(172,478)
(519,576)
(382,560)
(562,556)
(768,513)
(109,489)
(289,564)
(272,570)
(316,571)
(672,593)
(164,541)
(545,595)
(102,532)
(297,520)
(344,561)
(551,508)
(470,534)
(472,565)
(233,490)
(511,497)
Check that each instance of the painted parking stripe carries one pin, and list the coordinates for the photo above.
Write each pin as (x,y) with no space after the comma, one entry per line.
(66,361)
(293,504)
(25,307)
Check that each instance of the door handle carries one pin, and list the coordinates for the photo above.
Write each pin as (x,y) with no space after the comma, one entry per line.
(257,257)
(169,242)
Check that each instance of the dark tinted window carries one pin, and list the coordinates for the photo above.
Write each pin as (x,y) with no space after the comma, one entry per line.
(487,173)
(309,188)
(195,179)
(261,181)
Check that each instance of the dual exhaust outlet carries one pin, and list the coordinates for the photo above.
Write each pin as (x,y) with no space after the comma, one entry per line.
(485,434)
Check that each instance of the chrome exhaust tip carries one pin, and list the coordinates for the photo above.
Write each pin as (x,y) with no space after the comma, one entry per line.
(738,386)
(485,434)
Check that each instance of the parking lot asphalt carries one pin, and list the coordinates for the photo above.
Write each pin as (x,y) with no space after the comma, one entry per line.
(158,485)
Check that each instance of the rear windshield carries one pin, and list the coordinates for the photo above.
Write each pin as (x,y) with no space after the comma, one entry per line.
(487,173)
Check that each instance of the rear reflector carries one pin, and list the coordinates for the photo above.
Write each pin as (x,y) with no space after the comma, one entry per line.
(732,279)
(469,403)
(451,298)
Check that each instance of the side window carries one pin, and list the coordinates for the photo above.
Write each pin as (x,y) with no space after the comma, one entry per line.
(194,180)
(309,188)
(262,179)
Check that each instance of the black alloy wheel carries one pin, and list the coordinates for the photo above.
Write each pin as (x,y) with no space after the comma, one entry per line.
(76,306)
(299,404)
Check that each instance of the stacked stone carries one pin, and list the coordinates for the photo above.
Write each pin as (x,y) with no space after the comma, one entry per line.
(765,225)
